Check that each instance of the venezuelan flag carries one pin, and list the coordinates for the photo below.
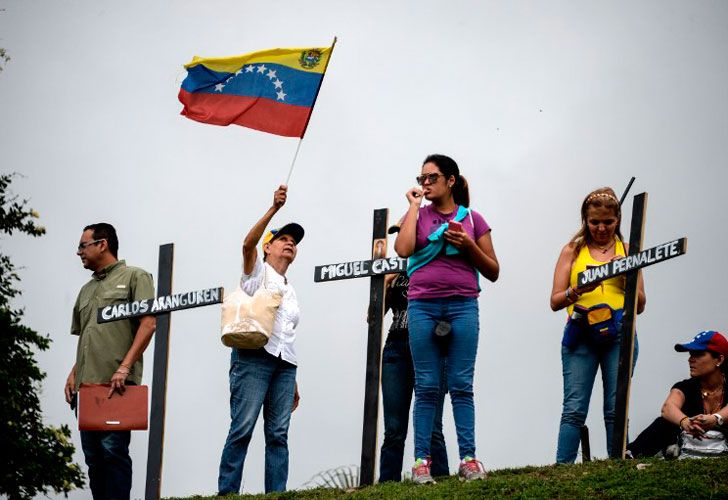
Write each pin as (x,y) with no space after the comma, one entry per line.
(271,90)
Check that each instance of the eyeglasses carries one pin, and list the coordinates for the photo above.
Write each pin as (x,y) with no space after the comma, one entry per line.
(430,178)
(83,246)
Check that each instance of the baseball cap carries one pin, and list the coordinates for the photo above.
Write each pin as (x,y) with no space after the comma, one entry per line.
(708,340)
(292,229)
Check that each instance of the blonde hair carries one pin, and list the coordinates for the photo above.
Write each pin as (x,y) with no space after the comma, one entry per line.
(602,197)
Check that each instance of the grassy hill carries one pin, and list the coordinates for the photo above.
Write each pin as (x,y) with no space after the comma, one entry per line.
(653,478)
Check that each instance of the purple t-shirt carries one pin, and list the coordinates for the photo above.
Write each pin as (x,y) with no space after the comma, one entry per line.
(445,275)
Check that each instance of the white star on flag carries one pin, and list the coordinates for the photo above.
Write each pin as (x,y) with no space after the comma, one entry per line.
(262,68)
(281,95)
(271,74)
(249,69)
(219,87)
(238,72)
(278,84)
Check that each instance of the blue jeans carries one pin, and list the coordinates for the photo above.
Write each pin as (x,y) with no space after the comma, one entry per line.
(398,381)
(462,314)
(580,366)
(109,463)
(258,380)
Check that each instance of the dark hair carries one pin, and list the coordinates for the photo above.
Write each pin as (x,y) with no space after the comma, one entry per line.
(602,197)
(724,364)
(105,231)
(448,167)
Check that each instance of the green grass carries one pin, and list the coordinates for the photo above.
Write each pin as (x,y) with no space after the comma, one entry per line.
(606,479)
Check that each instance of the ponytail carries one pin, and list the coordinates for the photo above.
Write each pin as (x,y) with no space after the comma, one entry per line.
(461,192)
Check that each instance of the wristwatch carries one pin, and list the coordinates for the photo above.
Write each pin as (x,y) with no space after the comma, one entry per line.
(718,418)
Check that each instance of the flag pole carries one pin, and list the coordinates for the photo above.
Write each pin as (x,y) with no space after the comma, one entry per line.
(331,52)
(290,171)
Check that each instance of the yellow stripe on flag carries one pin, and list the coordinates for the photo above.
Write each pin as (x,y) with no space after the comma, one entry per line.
(312,59)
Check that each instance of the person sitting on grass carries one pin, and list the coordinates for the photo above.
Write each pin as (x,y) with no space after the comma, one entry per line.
(694,414)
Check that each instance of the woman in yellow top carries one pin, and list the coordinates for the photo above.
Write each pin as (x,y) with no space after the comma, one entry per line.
(585,347)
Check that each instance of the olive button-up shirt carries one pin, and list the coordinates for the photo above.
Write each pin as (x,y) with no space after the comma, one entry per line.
(102,347)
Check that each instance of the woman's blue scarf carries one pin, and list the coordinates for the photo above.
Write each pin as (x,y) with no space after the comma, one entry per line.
(434,247)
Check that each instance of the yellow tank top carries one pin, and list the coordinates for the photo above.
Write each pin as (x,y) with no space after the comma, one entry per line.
(610,292)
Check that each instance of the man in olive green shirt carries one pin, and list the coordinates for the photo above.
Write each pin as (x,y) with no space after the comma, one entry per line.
(108,352)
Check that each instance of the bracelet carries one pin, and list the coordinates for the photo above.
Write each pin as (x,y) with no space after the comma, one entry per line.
(681,421)
(718,418)
(125,366)
(119,370)
(568,293)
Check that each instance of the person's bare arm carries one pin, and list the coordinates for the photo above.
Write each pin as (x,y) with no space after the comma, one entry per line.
(70,388)
(147,326)
(562,294)
(672,412)
(404,245)
(250,243)
(481,253)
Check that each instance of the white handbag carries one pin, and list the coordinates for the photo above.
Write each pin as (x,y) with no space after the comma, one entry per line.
(247,321)
(711,444)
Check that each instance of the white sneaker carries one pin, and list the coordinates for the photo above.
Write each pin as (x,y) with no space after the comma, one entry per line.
(672,452)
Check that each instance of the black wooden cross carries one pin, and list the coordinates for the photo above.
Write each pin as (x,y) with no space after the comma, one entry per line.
(161,307)
(630,265)
(376,269)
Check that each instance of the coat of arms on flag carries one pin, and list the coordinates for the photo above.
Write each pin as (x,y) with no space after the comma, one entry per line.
(271,90)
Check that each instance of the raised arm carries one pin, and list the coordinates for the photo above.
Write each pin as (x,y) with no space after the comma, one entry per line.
(404,245)
(250,243)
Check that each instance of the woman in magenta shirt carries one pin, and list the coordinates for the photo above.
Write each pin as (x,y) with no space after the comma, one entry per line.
(448,246)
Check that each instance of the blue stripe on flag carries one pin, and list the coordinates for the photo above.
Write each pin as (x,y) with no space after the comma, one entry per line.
(273,81)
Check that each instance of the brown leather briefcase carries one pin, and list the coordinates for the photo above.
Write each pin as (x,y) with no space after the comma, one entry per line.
(121,412)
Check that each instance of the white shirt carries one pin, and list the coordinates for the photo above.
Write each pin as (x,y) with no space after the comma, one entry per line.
(283,336)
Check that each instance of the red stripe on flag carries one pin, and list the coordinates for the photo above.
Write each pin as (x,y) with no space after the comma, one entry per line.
(252,112)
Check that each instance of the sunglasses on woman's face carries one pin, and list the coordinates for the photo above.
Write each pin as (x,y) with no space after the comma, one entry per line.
(429,178)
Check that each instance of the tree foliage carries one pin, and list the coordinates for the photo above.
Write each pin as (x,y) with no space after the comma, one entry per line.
(4,57)
(35,458)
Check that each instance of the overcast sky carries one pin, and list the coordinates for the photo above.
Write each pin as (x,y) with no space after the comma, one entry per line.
(539,102)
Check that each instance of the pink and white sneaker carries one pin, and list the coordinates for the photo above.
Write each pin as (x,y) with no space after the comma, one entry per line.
(421,472)
(471,470)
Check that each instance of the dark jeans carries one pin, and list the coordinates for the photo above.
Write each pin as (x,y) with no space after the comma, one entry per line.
(656,437)
(258,380)
(109,464)
(398,382)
